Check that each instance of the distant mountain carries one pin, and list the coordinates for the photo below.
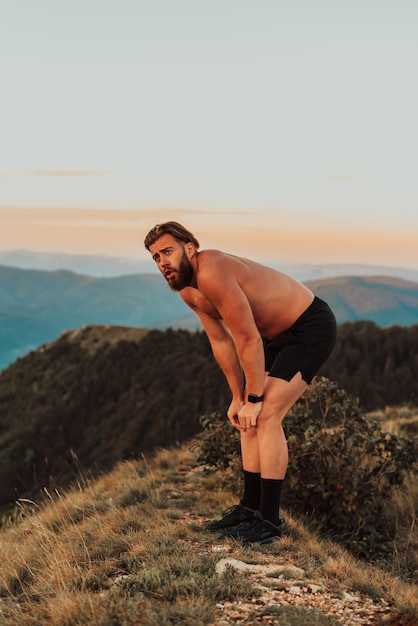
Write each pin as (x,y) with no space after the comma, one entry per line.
(384,300)
(103,266)
(89,264)
(333,270)
(37,306)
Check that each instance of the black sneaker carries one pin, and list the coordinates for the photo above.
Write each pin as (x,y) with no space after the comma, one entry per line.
(256,530)
(232,517)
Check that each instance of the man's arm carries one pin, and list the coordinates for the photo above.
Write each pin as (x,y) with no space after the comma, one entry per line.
(219,284)
(224,351)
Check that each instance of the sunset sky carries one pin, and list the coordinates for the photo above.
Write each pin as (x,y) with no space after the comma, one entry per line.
(274,129)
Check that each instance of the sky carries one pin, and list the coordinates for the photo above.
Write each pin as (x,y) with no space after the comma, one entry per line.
(278,130)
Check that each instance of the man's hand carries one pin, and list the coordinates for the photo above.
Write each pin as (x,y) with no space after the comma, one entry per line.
(234,408)
(248,415)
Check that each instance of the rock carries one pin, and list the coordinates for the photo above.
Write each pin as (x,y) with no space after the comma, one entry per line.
(271,569)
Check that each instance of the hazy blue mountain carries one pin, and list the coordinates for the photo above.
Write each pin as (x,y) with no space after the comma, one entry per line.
(109,266)
(37,306)
(88,264)
(384,300)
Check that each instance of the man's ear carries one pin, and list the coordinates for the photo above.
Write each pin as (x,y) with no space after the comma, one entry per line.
(190,249)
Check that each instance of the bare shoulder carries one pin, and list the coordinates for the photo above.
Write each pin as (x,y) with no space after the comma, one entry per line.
(217,271)
(217,261)
(210,257)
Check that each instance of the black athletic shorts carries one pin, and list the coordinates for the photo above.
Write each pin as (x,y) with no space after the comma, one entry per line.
(305,346)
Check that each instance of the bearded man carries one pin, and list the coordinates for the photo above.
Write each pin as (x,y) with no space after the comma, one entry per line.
(270,335)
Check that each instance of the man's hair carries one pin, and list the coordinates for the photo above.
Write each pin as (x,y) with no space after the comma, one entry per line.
(169,228)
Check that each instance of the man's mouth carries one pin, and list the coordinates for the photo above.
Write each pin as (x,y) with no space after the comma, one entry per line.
(169,274)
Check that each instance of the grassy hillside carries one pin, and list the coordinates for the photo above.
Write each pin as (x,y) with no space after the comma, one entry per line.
(107,393)
(130,549)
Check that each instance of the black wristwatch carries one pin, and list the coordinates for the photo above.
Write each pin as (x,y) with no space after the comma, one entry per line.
(254,399)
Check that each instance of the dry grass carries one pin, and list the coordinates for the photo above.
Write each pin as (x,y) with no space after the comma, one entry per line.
(403,421)
(129,549)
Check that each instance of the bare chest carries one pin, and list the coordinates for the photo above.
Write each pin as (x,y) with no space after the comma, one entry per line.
(197,300)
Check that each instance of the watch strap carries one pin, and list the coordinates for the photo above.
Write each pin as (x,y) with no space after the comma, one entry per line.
(252,397)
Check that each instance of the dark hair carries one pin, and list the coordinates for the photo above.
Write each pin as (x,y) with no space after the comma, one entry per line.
(169,228)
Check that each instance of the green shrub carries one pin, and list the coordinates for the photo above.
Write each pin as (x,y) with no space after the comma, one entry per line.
(342,467)
(218,444)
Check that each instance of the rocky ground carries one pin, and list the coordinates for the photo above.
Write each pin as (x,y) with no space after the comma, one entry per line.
(282,586)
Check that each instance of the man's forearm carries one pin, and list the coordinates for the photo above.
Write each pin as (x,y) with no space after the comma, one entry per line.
(251,355)
(227,359)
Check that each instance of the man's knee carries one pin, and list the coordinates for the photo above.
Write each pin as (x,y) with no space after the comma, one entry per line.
(281,395)
(247,436)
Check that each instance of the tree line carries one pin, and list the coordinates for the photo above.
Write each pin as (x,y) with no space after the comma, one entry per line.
(377,365)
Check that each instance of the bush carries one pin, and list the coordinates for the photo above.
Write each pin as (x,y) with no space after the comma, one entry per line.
(218,445)
(342,467)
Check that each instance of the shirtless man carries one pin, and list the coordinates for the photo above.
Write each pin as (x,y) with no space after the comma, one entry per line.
(270,335)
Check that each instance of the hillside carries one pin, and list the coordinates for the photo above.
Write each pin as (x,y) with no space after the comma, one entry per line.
(131,549)
(37,306)
(91,393)
(102,394)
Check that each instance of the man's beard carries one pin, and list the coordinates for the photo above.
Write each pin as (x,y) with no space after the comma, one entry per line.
(183,277)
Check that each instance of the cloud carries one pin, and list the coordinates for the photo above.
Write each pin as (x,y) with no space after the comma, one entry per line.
(69,173)
(200,212)
(65,216)
(348,177)
(53,173)
(80,216)
(8,175)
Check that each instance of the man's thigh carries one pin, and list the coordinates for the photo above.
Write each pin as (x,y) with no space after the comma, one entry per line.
(280,395)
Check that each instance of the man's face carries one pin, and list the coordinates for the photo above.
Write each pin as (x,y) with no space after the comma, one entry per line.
(170,256)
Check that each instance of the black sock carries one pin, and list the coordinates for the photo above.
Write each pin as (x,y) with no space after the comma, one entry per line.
(271,490)
(252,490)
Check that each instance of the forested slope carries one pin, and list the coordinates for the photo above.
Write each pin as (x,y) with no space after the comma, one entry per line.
(102,402)
(377,365)
(101,394)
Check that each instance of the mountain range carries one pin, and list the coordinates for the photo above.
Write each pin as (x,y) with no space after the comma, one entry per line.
(36,306)
(104,266)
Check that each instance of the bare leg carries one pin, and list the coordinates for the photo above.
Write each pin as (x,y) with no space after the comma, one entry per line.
(264,448)
(280,395)
(250,450)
